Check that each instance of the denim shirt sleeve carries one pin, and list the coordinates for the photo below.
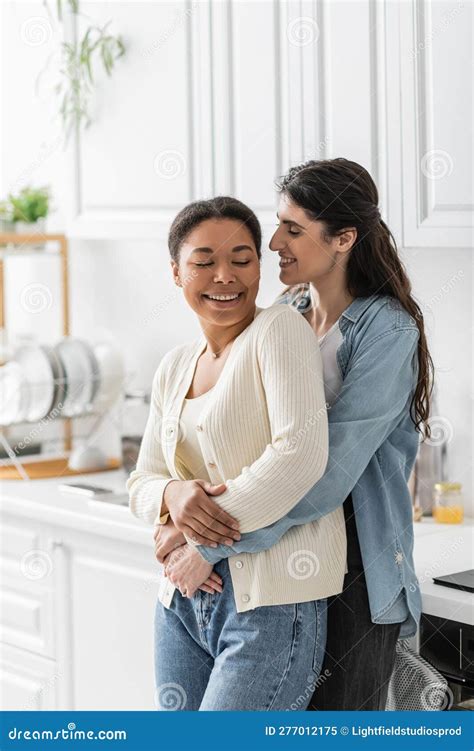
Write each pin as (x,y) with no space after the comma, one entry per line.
(376,392)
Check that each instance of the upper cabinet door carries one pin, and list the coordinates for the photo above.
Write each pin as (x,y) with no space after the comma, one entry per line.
(436,97)
(134,165)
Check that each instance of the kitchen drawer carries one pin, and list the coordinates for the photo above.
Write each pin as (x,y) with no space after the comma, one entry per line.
(26,618)
(26,591)
(25,555)
(28,681)
(16,540)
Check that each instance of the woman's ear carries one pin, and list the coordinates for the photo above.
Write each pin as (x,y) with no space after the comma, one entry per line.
(175,270)
(346,240)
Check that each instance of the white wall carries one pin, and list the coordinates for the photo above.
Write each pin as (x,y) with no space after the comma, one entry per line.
(221,97)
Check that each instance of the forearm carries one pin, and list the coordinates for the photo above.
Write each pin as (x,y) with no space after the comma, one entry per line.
(327,495)
(261,498)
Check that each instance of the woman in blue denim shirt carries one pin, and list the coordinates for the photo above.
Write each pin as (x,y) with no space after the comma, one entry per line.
(342,271)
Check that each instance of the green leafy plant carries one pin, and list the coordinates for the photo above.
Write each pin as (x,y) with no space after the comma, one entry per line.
(29,205)
(76,85)
(78,59)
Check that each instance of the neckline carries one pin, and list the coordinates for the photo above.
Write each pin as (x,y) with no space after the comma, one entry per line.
(200,347)
(329,331)
(201,396)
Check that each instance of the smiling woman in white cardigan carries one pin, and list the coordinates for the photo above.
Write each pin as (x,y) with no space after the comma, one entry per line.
(236,435)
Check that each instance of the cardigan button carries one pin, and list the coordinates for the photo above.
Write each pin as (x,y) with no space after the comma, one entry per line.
(199,427)
(245,598)
(239,564)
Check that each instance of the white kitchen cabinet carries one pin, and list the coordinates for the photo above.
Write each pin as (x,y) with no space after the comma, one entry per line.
(78,590)
(112,595)
(27,681)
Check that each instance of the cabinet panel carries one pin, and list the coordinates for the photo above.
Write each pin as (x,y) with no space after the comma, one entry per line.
(16,541)
(436,123)
(255,115)
(25,620)
(113,602)
(28,682)
(26,568)
(135,160)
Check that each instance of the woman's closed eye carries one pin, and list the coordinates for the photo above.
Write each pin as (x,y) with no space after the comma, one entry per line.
(236,263)
(291,230)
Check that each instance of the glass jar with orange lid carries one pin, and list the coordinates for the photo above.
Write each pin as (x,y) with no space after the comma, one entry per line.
(448,505)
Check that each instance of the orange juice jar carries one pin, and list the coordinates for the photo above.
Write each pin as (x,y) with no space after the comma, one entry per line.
(448,507)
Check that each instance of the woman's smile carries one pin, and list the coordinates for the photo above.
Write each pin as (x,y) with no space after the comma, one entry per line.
(223,300)
(286,261)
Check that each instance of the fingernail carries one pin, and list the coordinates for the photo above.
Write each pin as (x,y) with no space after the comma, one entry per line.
(237,537)
(213,544)
(229,542)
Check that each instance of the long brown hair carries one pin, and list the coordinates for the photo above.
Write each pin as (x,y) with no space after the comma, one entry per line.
(342,194)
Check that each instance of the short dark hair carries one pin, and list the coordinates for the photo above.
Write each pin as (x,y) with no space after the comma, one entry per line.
(220,207)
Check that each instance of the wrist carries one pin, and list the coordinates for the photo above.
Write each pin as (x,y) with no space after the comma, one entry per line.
(167,498)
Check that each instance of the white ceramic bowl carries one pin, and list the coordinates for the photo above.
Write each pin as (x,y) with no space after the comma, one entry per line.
(39,373)
(82,373)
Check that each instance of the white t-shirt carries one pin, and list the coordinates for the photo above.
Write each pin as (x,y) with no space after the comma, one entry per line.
(329,343)
(188,450)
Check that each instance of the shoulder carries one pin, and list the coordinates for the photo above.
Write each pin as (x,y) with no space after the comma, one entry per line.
(279,326)
(381,325)
(379,315)
(279,316)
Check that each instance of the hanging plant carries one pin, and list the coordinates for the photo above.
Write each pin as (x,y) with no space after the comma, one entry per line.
(76,86)
(78,59)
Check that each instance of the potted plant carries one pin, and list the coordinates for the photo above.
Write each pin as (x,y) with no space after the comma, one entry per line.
(30,207)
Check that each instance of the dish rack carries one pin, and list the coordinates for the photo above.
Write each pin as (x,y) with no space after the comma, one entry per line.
(28,467)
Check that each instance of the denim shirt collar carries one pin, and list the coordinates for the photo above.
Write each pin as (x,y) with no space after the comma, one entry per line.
(300,298)
(358,307)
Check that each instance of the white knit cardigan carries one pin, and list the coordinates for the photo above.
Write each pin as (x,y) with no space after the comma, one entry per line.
(264,433)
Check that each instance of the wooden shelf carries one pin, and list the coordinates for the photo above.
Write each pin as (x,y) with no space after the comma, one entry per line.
(39,470)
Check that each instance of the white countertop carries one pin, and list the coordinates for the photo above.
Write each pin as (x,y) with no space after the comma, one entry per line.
(439,548)
(442,549)
(43,501)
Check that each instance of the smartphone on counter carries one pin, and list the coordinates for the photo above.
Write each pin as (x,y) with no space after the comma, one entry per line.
(91,491)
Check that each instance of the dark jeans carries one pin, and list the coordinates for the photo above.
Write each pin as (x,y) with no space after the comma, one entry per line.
(360,655)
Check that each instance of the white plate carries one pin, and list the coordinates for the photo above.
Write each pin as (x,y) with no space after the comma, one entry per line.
(13,393)
(81,371)
(112,373)
(39,374)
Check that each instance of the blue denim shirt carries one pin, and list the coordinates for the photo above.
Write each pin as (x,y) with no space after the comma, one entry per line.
(372,448)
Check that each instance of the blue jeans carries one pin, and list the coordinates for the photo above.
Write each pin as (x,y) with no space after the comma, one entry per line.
(209,657)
